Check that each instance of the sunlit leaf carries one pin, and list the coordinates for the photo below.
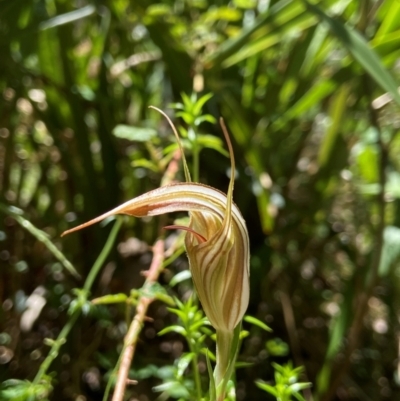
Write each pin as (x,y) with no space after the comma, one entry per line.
(134,134)
(361,51)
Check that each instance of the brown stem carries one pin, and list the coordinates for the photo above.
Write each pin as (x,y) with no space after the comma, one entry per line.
(134,330)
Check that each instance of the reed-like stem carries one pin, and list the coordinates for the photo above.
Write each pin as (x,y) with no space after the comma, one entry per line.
(62,337)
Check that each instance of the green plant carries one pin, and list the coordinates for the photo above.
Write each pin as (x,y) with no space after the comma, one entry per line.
(308,91)
(287,386)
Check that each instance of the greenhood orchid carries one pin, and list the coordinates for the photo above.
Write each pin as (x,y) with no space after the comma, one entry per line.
(217,245)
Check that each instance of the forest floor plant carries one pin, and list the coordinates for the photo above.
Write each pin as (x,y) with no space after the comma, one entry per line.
(217,245)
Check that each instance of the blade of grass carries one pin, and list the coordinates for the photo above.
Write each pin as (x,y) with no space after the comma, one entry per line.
(41,236)
(67,17)
(360,50)
(61,339)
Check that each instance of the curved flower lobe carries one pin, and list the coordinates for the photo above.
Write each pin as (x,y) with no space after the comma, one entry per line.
(216,241)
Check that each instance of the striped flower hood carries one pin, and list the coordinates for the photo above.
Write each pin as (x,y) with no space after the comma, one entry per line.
(217,242)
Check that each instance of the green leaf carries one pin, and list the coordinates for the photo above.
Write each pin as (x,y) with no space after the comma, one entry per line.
(174,388)
(173,329)
(390,251)
(183,363)
(211,142)
(186,116)
(134,134)
(146,372)
(312,97)
(206,117)
(179,277)
(198,106)
(157,291)
(296,387)
(232,47)
(158,10)
(208,353)
(212,390)
(361,51)
(40,236)
(145,163)
(337,110)
(110,299)
(257,322)
(221,13)
(266,387)
(68,17)
(246,4)
(391,20)
(367,160)
(277,347)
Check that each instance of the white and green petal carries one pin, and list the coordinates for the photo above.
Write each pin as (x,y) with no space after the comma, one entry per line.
(220,264)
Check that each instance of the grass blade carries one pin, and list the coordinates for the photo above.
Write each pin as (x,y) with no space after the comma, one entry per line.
(360,50)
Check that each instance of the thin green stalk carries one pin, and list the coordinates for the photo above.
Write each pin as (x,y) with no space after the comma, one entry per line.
(103,255)
(110,381)
(195,162)
(61,339)
(224,345)
(228,344)
(174,256)
(196,154)
(57,344)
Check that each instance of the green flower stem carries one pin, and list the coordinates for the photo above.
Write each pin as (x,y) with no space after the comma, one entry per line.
(195,161)
(61,339)
(228,344)
(224,345)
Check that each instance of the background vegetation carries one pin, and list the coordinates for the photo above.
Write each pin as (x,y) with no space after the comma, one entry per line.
(309,94)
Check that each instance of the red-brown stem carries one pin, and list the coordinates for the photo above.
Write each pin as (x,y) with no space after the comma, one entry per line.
(132,336)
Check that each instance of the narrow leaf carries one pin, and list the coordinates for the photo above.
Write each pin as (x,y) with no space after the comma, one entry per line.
(134,134)
(360,50)
(181,276)
(40,236)
(110,299)
(67,17)
(256,322)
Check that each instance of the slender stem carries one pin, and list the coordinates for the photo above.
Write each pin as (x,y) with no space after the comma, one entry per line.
(223,354)
(196,155)
(103,255)
(44,366)
(195,163)
(61,339)
(134,330)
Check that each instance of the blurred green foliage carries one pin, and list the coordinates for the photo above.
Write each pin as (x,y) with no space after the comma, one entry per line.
(309,93)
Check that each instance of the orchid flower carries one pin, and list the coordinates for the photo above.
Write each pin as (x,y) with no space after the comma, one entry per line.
(217,245)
